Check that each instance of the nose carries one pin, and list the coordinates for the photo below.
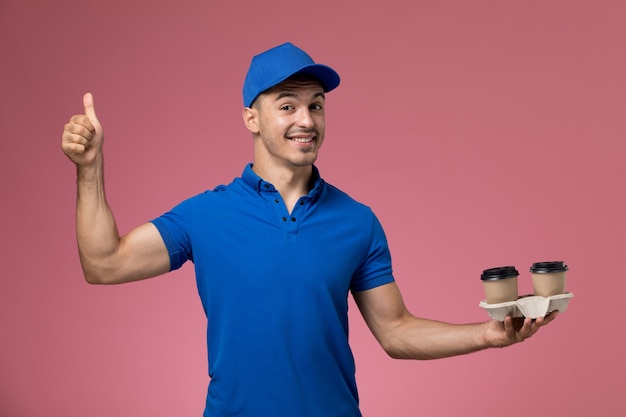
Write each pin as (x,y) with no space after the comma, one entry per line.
(304,118)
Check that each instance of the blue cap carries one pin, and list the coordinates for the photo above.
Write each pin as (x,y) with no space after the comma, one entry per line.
(274,66)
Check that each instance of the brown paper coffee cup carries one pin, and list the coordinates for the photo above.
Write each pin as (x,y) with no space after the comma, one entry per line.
(548,278)
(500,284)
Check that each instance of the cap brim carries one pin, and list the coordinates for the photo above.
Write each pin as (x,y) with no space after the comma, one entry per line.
(327,76)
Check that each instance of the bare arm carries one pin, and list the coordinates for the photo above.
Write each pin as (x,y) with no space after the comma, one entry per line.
(106,257)
(405,336)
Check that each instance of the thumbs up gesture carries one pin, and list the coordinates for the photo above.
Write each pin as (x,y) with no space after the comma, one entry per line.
(83,136)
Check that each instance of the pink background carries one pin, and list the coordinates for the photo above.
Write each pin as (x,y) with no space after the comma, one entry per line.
(482,133)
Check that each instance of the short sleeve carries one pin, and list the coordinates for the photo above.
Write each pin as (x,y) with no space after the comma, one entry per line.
(174,227)
(376,268)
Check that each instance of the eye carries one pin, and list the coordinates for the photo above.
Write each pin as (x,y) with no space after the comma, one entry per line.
(316,106)
(286,107)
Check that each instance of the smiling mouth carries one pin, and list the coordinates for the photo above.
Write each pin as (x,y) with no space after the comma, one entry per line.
(302,140)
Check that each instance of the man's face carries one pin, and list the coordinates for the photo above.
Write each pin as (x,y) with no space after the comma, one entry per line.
(290,123)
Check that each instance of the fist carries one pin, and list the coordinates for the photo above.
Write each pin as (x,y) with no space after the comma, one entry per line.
(83,136)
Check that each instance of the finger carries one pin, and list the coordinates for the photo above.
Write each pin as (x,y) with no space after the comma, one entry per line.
(74,148)
(70,139)
(550,317)
(509,329)
(525,330)
(542,321)
(81,125)
(73,143)
(90,110)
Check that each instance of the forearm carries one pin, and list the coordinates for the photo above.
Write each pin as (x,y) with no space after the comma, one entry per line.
(418,338)
(96,231)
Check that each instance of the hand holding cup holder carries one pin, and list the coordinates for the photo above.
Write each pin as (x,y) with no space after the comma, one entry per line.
(500,286)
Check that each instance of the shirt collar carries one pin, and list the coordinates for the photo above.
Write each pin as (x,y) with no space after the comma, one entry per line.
(259,184)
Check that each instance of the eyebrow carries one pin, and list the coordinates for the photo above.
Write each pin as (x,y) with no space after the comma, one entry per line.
(284,94)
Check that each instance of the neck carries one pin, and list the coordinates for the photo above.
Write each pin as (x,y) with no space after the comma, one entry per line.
(291,182)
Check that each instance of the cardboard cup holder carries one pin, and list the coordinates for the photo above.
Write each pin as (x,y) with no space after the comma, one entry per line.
(532,306)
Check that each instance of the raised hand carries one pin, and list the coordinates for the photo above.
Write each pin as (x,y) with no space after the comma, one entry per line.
(83,135)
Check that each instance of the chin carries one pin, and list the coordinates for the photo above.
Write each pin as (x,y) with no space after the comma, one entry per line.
(304,162)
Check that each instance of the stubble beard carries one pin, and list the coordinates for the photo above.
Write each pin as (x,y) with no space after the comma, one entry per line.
(304,156)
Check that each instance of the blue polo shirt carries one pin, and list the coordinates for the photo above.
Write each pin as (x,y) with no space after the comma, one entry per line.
(274,286)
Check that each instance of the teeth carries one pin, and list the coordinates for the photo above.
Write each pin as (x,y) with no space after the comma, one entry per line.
(302,140)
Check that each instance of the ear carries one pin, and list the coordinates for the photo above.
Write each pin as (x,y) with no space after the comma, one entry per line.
(251,119)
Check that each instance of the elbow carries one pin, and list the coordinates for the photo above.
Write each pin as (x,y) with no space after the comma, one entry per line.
(392,342)
(98,275)
(95,279)
(393,350)
(395,353)
(93,271)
